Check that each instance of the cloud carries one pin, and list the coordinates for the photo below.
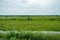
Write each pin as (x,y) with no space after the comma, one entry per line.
(21,7)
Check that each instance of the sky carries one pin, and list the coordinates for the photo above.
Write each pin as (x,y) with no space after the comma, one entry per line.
(29,7)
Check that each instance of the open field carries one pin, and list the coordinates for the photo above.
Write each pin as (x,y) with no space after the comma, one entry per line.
(30,23)
(46,27)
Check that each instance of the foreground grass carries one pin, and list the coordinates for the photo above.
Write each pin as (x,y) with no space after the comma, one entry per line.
(29,36)
(31,23)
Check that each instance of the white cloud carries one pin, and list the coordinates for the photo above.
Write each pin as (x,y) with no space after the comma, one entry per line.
(29,7)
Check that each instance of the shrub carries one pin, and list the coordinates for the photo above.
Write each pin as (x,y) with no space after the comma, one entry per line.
(29,18)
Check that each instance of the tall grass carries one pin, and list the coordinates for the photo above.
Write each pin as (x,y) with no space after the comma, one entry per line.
(29,36)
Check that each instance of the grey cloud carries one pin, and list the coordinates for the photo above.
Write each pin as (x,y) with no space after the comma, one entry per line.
(18,7)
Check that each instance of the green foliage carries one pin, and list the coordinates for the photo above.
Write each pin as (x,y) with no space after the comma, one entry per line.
(29,35)
(2,35)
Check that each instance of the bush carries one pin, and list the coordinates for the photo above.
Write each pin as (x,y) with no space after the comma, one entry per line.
(29,18)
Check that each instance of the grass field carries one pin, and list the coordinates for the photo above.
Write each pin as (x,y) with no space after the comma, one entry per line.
(29,23)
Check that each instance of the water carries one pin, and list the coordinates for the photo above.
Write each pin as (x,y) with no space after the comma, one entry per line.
(45,32)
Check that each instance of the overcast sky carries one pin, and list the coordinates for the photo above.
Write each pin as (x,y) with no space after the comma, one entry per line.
(29,7)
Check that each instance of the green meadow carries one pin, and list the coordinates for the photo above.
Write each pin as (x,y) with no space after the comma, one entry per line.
(30,23)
